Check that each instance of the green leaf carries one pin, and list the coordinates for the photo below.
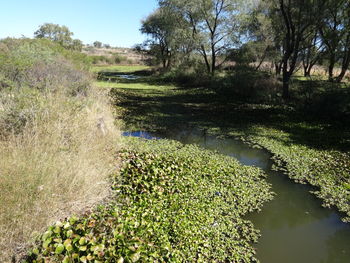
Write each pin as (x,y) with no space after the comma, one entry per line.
(59,249)
(135,257)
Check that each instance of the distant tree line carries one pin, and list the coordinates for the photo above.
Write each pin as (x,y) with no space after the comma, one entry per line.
(290,34)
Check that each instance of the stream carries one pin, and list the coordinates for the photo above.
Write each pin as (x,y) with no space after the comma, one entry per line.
(295,228)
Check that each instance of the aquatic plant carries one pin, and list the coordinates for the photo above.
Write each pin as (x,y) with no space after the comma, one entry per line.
(173,203)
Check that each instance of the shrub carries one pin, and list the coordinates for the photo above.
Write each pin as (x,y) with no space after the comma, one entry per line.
(42,64)
(101,60)
(119,59)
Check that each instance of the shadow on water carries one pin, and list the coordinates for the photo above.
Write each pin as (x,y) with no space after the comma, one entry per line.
(295,227)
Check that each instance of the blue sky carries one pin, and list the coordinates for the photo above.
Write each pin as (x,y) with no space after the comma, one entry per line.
(115,22)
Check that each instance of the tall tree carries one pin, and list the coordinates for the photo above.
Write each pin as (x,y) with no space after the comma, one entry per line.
(335,33)
(212,23)
(299,19)
(160,27)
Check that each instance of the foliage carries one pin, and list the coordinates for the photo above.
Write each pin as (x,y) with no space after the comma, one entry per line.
(42,64)
(109,60)
(213,26)
(176,203)
(97,44)
(168,37)
(248,85)
(59,34)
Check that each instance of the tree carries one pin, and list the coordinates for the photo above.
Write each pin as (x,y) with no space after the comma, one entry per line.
(299,19)
(160,27)
(311,52)
(264,42)
(335,34)
(213,27)
(56,33)
(59,34)
(77,45)
(169,38)
(97,44)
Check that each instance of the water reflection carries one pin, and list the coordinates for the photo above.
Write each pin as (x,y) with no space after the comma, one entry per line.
(295,227)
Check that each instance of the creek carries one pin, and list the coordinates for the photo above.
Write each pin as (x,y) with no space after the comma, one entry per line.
(295,228)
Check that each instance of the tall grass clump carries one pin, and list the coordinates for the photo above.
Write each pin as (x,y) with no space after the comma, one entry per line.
(57,138)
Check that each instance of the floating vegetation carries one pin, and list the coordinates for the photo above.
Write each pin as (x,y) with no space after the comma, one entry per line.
(172,203)
(328,170)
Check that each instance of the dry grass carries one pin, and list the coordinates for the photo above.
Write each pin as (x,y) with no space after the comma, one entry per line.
(57,165)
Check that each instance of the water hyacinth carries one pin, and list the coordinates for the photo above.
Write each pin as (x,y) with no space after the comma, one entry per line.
(328,170)
(173,203)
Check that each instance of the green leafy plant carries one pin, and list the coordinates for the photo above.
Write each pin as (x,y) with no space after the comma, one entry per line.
(173,203)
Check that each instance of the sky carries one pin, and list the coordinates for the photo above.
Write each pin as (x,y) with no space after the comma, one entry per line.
(114,22)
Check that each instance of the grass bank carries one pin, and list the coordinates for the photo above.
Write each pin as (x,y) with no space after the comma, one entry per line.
(173,203)
(310,148)
(57,140)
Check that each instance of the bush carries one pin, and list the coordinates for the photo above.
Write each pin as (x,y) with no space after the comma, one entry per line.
(101,60)
(42,64)
(120,59)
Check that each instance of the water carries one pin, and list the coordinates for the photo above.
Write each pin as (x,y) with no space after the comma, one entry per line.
(128,77)
(295,227)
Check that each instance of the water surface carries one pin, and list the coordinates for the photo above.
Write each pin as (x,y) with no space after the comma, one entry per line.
(295,227)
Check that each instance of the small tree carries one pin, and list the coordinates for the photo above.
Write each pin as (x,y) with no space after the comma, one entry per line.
(97,44)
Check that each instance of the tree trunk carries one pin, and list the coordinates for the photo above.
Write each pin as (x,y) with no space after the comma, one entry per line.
(213,60)
(285,78)
(343,70)
(331,68)
(278,68)
(345,64)
(306,72)
(205,56)
(261,60)
(285,88)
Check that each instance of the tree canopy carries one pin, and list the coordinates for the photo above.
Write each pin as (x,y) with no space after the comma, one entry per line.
(59,34)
